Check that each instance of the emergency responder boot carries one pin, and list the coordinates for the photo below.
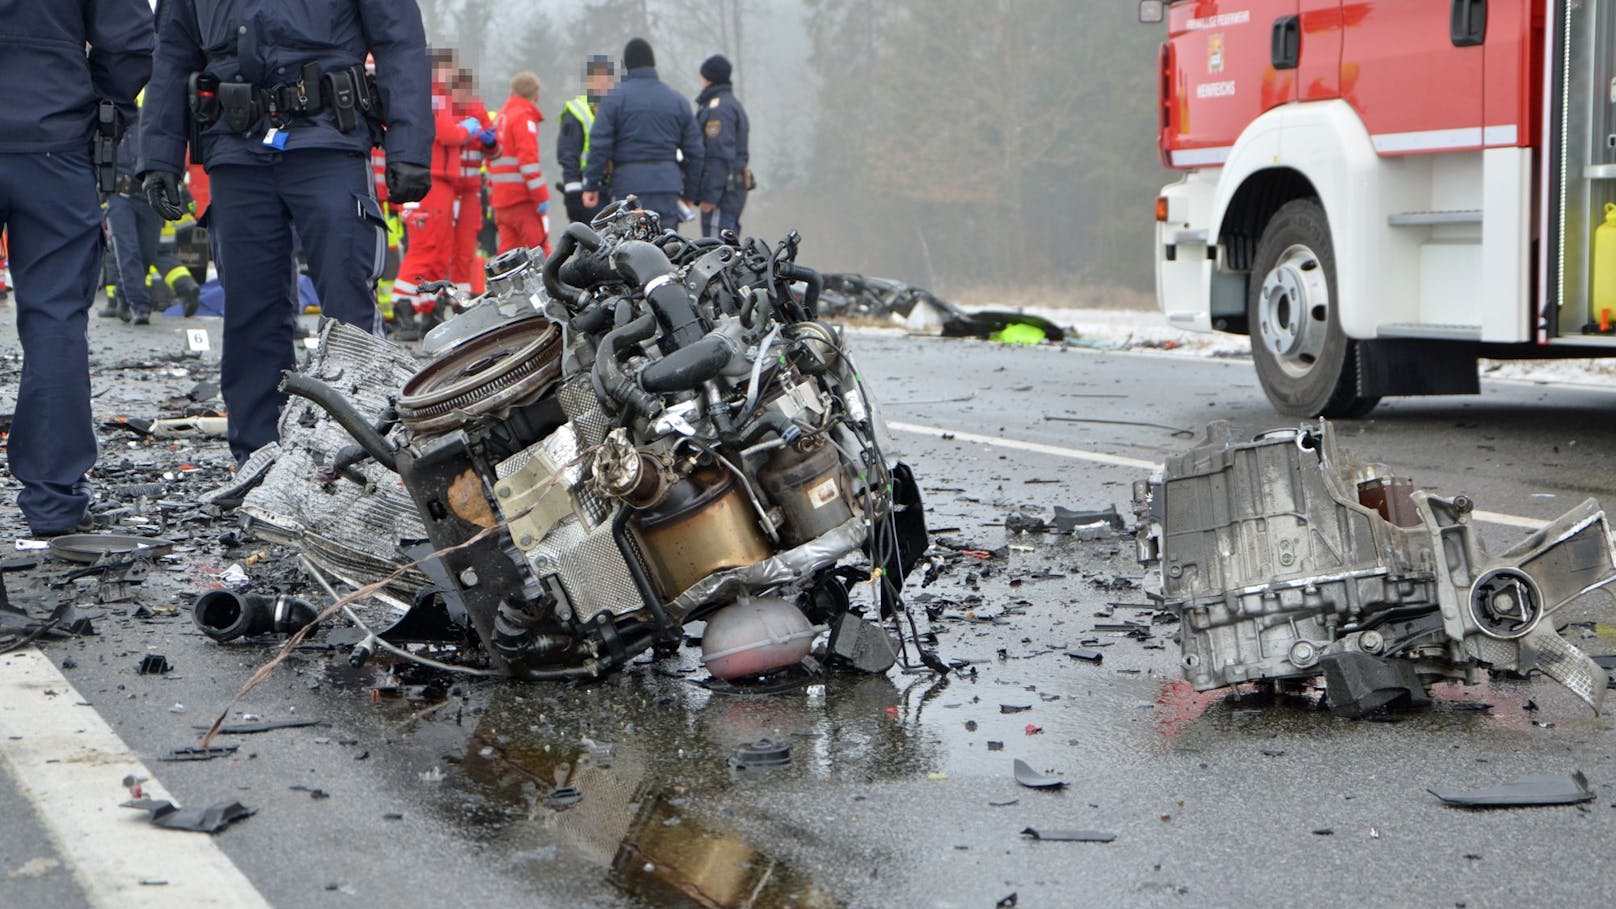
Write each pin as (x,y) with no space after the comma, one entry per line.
(403,326)
(190,295)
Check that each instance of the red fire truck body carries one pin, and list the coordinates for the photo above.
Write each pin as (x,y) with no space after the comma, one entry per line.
(1380,191)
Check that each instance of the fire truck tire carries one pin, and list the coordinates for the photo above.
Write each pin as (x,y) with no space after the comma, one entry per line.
(1307,366)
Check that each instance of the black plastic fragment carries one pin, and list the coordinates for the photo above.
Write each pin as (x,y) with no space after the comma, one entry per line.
(861,644)
(198,820)
(1086,655)
(199,754)
(1069,836)
(563,797)
(1014,708)
(154,664)
(259,726)
(1356,684)
(761,755)
(1533,790)
(1008,902)
(1032,779)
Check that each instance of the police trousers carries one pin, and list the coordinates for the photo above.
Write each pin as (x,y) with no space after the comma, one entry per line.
(327,196)
(49,207)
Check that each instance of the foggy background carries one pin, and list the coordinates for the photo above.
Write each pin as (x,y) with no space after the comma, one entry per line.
(990,150)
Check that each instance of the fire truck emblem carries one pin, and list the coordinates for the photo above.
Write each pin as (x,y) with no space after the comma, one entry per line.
(1214,53)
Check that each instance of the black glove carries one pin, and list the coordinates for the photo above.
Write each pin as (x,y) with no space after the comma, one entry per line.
(575,207)
(407,182)
(164,194)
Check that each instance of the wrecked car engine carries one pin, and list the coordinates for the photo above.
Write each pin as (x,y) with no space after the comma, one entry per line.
(1285,560)
(641,432)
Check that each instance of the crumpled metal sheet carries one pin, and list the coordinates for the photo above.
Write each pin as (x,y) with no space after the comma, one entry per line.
(350,530)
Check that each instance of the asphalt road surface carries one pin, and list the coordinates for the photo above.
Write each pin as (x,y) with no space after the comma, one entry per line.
(900,791)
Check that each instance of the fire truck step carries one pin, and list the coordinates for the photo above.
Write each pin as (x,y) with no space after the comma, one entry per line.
(1429,218)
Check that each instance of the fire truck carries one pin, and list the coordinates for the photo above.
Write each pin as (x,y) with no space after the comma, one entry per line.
(1378,192)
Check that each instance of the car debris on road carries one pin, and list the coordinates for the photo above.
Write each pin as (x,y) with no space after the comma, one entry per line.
(1286,560)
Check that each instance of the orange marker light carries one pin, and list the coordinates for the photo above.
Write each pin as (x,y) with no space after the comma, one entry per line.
(1161,208)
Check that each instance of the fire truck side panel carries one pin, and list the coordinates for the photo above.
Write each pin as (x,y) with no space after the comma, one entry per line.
(1318,70)
(1514,64)
(1415,91)
(1223,76)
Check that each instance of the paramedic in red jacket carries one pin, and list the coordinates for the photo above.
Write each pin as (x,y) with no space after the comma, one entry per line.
(465,266)
(432,223)
(521,198)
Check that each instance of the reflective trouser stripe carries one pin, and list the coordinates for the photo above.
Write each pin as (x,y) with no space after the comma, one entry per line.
(175,274)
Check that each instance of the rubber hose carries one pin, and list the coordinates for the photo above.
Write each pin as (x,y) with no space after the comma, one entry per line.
(689,366)
(815,283)
(225,615)
(608,372)
(677,313)
(340,410)
(576,235)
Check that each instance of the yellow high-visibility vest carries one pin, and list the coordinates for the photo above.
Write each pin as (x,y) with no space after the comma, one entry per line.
(579,107)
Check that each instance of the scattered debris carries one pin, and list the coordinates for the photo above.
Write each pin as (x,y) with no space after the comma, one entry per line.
(1534,790)
(154,664)
(225,615)
(1085,524)
(1069,836)
(761,755)
(1355,565)
(89,548)
(1032,779)
(1356,684)
(255,726)
(1086,655)
(198,820)
(199,754)
(563,797)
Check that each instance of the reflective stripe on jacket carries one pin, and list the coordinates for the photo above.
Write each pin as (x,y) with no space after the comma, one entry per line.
(515,177)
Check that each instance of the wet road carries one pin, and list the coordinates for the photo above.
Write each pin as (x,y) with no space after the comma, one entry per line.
(900,790)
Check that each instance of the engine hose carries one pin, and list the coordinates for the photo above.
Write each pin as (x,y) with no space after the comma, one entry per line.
(814,281)
(350,455)
(771,421)
(666,629)
(689,366)
(677,312)
(572,238)
(608,372)
(328,400)
(593,319)
(639,262)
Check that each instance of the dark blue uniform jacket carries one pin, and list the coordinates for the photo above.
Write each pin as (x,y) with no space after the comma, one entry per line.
(266,43)
(723,124)
(638,128)
(52,85)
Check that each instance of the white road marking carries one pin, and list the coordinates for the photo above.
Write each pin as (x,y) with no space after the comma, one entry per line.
(1100,457)
(70,765)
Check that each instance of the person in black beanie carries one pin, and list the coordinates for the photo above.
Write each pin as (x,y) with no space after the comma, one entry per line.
(725,177)
(639,132)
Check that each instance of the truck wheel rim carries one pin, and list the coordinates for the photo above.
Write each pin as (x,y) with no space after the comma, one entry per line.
(1293,311)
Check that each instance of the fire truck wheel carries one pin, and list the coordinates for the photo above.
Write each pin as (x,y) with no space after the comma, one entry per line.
(1307,366)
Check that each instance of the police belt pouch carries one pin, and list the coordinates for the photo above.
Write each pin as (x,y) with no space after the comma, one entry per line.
(347,92)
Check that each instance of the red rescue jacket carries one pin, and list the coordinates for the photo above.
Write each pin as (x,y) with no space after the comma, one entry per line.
(515,176)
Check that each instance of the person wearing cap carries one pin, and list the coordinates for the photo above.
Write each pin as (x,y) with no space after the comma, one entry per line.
(640,131)
(725,177)
(572,144)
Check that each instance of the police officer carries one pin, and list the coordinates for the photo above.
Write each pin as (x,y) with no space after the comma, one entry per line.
(725,177)
(639,131)
(572,144)
(68,54)
(137,247)
(276,97)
